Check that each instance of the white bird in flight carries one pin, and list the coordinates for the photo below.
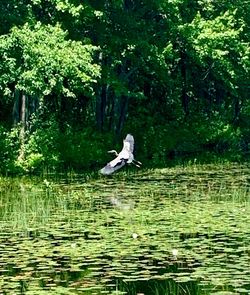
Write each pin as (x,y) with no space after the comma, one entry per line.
(125,156)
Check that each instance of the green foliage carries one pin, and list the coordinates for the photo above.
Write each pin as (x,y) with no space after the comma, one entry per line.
(47,148)
(84,149)
(3,148)
(93,71)
(41,147)
(218,41)
(40,60)
(9,146)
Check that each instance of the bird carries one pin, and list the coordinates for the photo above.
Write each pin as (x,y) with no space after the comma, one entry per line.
(124,157)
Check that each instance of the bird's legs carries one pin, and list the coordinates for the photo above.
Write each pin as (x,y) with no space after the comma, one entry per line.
(136,163)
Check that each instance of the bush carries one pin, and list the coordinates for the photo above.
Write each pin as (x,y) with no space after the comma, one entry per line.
(41,147)
(84,149)
(9,146)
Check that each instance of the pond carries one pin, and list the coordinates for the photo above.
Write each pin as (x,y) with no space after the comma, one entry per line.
(182,230)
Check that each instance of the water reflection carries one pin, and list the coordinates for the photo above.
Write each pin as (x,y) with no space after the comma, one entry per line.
(122,204)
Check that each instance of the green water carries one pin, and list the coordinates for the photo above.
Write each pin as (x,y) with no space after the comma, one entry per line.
(165,231)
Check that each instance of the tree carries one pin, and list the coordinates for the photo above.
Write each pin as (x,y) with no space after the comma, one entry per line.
(160,66)
(39,64)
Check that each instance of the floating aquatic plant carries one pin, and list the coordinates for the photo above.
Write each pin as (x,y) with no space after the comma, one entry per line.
(186,232)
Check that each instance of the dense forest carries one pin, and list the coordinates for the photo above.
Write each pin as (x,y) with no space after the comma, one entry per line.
(76,76)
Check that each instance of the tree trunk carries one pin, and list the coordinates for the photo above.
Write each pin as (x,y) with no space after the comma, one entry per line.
(147,89)
(236,109)
(98,111)
(124,74)
(101,103)
(185,98)
(111,111)
(102,97)
(123,112)
(16,107)
(23,118)
(128,4)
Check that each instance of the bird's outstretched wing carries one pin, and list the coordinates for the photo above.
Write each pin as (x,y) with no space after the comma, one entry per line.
(113,166)
(126,155)
(128,143)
